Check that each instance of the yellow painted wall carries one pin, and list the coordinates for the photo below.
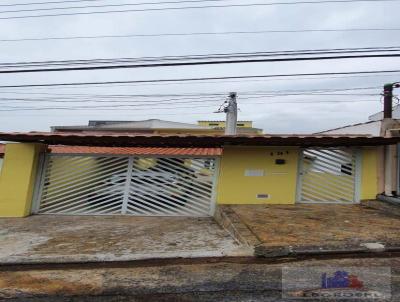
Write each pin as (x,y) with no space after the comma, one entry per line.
(369,173)
(191,131)
(279,181)
(19,171)
(17,179)
(218,131)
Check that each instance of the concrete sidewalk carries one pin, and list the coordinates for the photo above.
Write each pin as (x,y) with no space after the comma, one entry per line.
(279,230)
(62,239)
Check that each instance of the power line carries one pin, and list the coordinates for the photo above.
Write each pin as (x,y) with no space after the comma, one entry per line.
(256,32)
(215,94)
(114,107)
(195,98)
(311,90)
(215,82)
(47,2)
(200,79)
(219,95)
(208,56)
(97,107)
(138,103)
(197,63)
(169,2)
(108,5)
(131,114)
(80,1)
(128,98)
(141,103)
(191,7)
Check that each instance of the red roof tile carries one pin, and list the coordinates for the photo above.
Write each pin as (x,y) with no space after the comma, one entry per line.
(130,150)
(192,140)
(136,150)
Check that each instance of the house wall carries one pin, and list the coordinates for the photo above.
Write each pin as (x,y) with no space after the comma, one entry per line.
(189,131)
(369,173)
(244,173)
(372,128)
(278,181)
(17,179)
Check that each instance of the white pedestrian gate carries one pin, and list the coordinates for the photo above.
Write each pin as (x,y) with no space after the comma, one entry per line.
(329,175)
(131,185)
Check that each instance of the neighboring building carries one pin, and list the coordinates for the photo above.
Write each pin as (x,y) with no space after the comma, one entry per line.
(156,126)
(379,116)
(388,176)
(372,127)
(242,126)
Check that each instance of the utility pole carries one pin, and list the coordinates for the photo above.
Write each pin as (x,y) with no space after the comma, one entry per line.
(231,115)
(388,100)
(389,151)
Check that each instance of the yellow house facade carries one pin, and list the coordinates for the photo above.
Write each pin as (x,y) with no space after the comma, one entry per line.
(243,174)
(278,184)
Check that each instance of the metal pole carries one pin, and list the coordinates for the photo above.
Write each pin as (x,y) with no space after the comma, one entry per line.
(388,100)
(398,170)
(387,123)
(231,115)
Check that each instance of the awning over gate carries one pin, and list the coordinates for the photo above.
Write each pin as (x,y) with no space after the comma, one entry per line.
(131,150)
(136,150)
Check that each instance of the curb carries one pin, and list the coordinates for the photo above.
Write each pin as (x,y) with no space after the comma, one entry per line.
(227,218)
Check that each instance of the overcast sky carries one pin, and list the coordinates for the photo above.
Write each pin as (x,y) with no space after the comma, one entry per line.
(267,113)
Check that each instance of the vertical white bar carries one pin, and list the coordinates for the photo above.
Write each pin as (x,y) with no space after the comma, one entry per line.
(300,172)
(398,170)
(125,201)
(213,201)
(358,173)
(39,182)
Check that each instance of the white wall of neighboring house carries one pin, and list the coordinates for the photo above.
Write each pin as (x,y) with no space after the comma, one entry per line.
(377,126)
(378,116)
(371,128)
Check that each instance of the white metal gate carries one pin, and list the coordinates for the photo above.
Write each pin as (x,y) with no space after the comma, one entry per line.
(131,185)
(329,175)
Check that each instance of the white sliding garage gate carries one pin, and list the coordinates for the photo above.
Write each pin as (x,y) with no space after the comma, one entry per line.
(130,185)
(330,175)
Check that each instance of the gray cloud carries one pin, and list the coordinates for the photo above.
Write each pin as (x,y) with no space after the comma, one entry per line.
(290,118)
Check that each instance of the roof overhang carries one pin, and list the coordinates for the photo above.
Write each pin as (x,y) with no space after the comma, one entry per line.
(173,140)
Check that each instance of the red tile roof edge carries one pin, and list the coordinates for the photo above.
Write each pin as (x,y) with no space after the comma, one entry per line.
(192,140)
(59,149)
